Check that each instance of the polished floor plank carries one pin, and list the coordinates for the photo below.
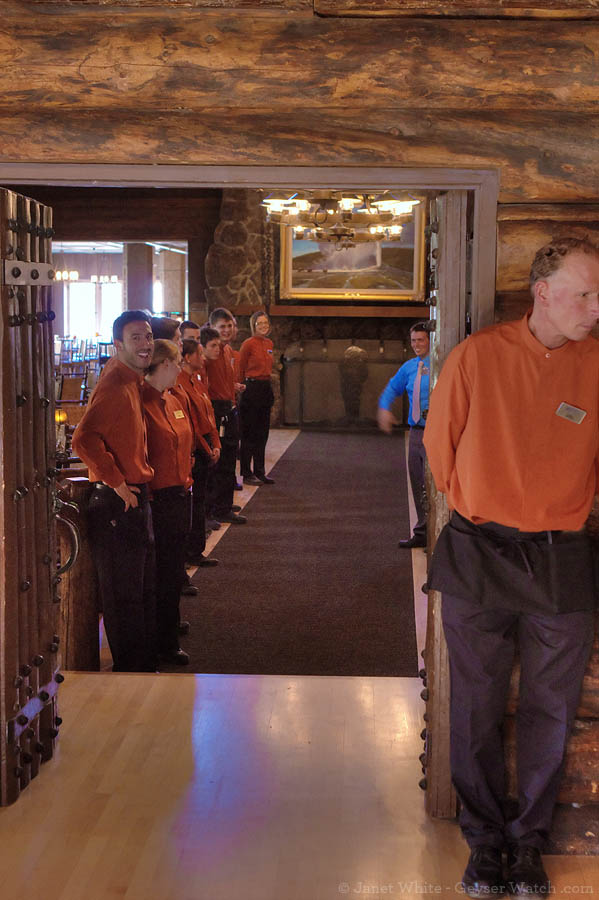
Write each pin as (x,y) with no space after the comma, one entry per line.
(184,787)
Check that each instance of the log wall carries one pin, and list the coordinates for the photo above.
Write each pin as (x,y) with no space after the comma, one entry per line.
(505,85)
(269,83)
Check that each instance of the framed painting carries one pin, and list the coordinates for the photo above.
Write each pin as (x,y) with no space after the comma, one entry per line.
(386,272)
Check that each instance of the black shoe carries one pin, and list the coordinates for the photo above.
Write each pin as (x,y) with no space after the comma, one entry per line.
(410,543)
(190,590)
(207,561)
(238,486)
(251,479)
(525,874)
(484,876)
(201,561)
(235,508)
(232,519)
(212,525)
(178,658)
(183,627)
(264,478)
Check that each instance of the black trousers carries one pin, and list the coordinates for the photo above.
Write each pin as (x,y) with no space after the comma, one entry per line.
(123,552)
(502,589)
(221,484)
(171,512)
(416,461)
(255,406)
(554,650)
(196,540)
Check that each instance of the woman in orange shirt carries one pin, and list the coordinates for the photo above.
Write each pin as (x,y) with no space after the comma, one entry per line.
(255,367)
(191,387)
(170,445)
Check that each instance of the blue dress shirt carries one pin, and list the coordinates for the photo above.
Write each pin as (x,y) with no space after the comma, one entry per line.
(403,380)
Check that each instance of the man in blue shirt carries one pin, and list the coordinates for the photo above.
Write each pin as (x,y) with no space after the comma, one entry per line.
(412,377)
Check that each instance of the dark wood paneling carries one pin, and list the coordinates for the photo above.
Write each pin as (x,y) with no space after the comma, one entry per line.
(154,59)
(540,158)
(129,214)
(80,607)
(470,8)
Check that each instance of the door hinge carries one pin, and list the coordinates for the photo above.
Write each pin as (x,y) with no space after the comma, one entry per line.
(26,274)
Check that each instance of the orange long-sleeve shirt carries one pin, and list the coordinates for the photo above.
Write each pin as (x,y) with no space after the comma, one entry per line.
(494,443)
(170,438)
(255,358)
(221,375)
(202,415)
(236,357)
(111,436)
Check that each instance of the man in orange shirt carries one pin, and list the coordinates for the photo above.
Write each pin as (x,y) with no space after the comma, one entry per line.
(512,438)
(190,331)
(222,387)
(111,440)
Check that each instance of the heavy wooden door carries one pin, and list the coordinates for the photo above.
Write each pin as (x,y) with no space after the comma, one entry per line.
(452,313)
(29,579)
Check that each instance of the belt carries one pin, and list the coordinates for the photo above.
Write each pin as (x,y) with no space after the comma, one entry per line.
(175,490)
(417,427)
(506,532)
(144,489)
(261,378)
(222,404)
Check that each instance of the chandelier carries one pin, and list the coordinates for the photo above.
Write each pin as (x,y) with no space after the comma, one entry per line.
(342,218)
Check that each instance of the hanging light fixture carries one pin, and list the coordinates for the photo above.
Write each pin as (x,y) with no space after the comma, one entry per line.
(340,217)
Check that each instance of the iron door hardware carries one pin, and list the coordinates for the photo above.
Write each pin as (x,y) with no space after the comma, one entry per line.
(26,274)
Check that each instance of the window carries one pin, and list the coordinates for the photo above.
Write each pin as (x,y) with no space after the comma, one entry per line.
(90,309)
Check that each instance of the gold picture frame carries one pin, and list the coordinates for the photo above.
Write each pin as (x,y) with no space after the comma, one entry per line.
(369,282)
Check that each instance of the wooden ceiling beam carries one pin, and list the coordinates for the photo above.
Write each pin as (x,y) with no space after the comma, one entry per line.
(559,9)
(362,8)
(156,60)
(241,5)
(540,157)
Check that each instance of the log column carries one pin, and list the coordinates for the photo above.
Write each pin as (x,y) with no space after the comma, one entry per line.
(197,248)
(138,276)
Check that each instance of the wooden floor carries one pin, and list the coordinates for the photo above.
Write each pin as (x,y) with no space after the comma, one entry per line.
(218,787)
(185,787)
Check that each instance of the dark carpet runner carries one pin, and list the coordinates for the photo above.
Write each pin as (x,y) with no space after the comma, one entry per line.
(314,584)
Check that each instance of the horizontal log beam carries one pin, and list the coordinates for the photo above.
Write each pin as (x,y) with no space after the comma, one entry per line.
(539,158)
(467,8)
(518,241)
(548,212)
(237,5)
(369,8)
(152,59)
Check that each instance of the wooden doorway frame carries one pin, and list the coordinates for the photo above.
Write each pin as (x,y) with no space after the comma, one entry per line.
(484,183)
(484,186)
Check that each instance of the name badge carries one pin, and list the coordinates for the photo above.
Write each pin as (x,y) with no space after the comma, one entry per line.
(179,414)
(571,413)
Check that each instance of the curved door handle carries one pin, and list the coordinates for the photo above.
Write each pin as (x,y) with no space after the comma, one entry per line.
(75,544)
